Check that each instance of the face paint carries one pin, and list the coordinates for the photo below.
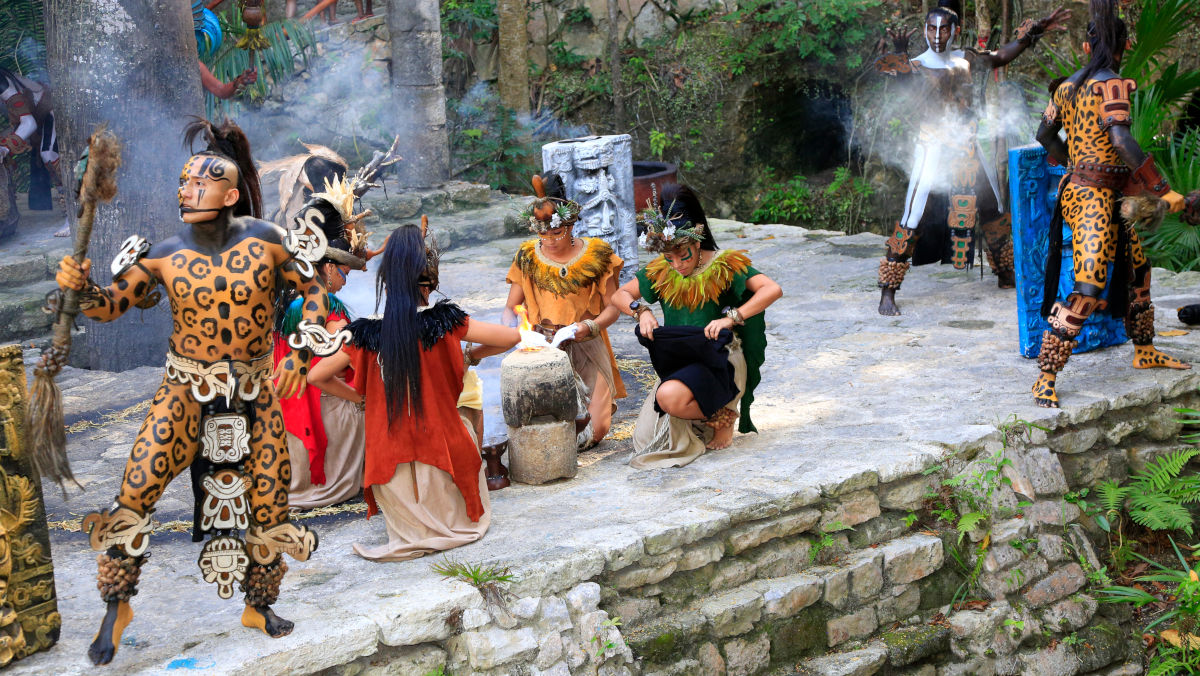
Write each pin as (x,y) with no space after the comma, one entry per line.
(203,185)
(938,33)
(683,259)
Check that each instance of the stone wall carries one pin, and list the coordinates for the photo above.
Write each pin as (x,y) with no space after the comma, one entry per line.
(833,581)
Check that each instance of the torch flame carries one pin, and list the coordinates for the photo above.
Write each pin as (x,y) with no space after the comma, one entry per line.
(531,340)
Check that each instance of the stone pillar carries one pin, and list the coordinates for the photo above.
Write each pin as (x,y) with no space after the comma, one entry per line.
(419,99)
(598,173)
(29,619)
(537,395)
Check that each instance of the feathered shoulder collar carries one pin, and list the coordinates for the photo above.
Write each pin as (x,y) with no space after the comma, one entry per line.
(701,287)
(436,322)
(562,279)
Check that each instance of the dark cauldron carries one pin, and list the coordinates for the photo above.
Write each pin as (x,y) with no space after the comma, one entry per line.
(646,174)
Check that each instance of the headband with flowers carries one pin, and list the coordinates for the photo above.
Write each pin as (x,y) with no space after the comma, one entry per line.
(663,234)
(547,213)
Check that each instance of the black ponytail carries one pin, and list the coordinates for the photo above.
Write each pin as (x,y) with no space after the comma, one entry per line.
(403,263)
(1106,34)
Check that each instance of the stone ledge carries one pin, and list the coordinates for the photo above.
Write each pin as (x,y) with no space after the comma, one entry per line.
(832,430)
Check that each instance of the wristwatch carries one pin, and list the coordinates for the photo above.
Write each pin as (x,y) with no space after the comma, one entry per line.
(633,307)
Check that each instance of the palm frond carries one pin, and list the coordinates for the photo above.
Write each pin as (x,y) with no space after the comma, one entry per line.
(23,38)
(290,45)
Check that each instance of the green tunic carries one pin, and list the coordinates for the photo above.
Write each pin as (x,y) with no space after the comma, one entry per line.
(753,334)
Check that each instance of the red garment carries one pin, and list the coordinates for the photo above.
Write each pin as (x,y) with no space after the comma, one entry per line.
(438,438)
(302,413)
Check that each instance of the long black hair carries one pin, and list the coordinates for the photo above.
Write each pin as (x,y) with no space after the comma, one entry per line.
(682,202)
(403,263)
(1106,34)
(230,142)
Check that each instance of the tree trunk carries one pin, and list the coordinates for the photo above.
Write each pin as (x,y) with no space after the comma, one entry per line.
(983,22)
(614,68)
(514,59)
(417,93)
(132,64)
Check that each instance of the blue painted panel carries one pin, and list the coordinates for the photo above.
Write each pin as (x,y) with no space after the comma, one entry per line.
(1033,189)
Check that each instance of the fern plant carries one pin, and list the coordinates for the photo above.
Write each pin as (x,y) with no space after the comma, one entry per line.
(23,38)
(1157,497)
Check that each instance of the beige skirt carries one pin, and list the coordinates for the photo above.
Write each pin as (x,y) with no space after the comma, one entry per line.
(344,457)
(590,362)
(661,440)
(424,512)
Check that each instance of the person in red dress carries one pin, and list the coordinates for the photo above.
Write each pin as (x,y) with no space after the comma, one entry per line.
(423,468)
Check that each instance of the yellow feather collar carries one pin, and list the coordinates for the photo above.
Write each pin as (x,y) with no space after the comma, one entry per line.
(563,279)
(694,291)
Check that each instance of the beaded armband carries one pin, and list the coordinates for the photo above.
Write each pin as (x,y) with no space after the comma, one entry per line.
(732,314)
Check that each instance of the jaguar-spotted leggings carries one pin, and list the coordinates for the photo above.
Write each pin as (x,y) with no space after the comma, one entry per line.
(170,440)
(1089,213)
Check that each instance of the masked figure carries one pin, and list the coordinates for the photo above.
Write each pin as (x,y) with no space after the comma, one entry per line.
(713,340)
(216,411)
(1105,163)
(950,189)
(565,283)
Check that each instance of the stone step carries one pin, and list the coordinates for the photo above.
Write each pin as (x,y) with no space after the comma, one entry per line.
(24,268)
(21,314)
(461,229)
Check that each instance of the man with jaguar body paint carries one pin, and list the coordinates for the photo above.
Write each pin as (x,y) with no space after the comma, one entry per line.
(216,411)
(947,159)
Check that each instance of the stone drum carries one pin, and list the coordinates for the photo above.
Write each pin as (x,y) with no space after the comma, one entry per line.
(539,401)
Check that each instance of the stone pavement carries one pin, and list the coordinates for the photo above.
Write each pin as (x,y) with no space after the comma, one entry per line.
(848,398)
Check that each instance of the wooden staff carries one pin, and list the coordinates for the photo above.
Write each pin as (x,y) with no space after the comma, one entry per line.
(47,433)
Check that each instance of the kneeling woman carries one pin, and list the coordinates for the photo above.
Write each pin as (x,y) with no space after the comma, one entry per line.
(423,468)
(709,370)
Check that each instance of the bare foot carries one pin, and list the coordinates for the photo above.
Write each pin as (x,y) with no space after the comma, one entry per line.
(722,437)
(1148,357)
(104,646)
(887,303)
(262,617)
(1044,394)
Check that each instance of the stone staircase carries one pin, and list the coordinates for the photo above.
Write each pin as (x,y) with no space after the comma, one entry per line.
(27,262)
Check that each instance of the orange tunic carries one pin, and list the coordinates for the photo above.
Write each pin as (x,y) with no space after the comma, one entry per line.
(438,438)
(565,293)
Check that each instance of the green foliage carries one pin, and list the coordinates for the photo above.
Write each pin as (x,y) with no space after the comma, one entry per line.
(488,144)
(578,15)
(826,542)
(1176,245)
(1183,615)
(601,644)
(1156,497)
(789,201)
(477,575)
(23,38)
(475,19)
(765,31)
(658,143)
(291,43)
(839,206)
